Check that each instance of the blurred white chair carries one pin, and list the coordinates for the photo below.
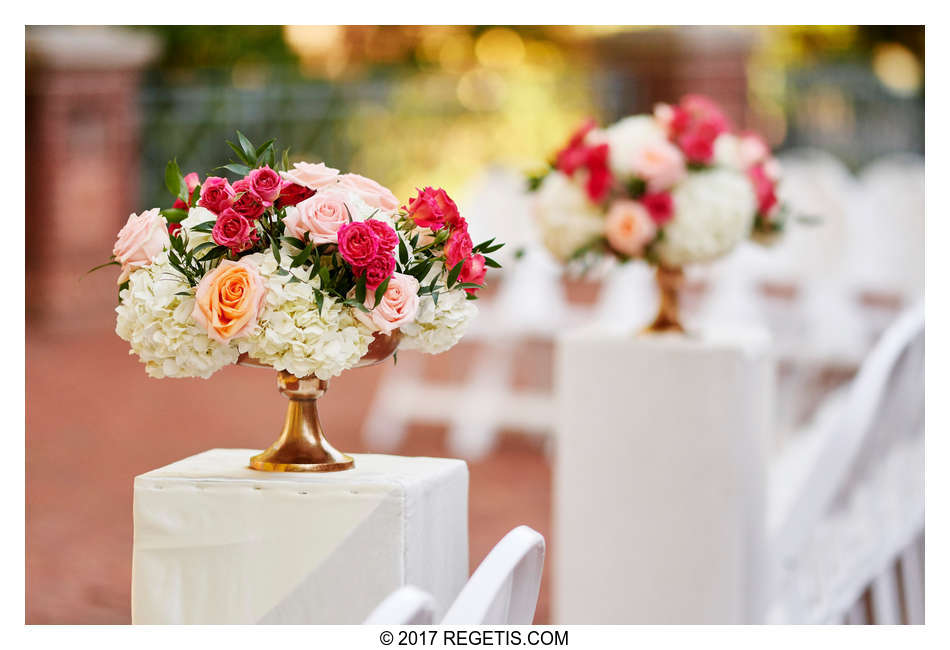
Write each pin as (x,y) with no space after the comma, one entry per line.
(407,605)
(846,501)
(504,588)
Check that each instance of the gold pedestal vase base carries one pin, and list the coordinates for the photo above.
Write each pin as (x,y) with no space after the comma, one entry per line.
(669,282)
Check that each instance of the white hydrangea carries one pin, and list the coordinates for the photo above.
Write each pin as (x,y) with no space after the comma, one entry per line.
(439,326)
(714,211)
(197,215)
(727,151)
(566,219)
(627,138)
(293,335)
(157,323)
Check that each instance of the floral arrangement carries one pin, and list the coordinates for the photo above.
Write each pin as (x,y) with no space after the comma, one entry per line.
(297,266)
(675,187)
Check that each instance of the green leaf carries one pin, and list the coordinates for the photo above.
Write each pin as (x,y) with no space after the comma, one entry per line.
(183,293)
(102,266)
(380,291)
(318,296)
(259,152)
(174,180)
(195,195)
(361,289)
(454,273)
(435,297)
(469,285)
(296,243)
(324,277)
(285,160)
(281,271)
(249,152)
(217,251)
(403,252)
(302,256)
(174,215)
(275,250)
(202,247)
(478,248)
(489,262)
(240,154)
(234,168)
(204,226)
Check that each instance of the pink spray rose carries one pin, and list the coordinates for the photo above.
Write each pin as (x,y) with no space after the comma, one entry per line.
(432,209)
(312,176)
(266,182)
(191,181)
(378,269)
(292,194)
(320,217)
(140,240)
(473,271)
(234,231)
(660,164)
(248,203)
(397,307)
(358,243)
(457,247)
(629,227)
(216,194)
(387,236)
(660,206)
(374,194)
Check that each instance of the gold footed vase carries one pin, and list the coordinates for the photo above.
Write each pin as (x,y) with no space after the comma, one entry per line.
(302,445)
(669,281)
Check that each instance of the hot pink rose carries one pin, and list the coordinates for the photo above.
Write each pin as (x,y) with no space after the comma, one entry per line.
(310,175)
(292,194)
(247,202)
(574,155)
(216,194)
(599,178)
(234,231)
(764,190)
(660,164)
(457,247)
(473,271)
(374,194)
(140,240)
(387,236)
(320,217)
(660,206)
(358,243)
(266,182)
(629,227)
(397,307)
(379,268)
(432,209)
(698,144)
(191,182)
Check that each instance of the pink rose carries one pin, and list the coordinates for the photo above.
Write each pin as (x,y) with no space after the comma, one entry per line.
(191,182)
(216,194)
(397,307)
(141,239)
(699,143)
(248,203)
(432,209)
(320,217)
(660,206)
(379,268)
(387,236)
(473,271)
(234,231)
(629,227)
(266,182)
(310,175)
(457,247)
(358,243)
(374,194)
(292,194)
(229,299)
(764,190)
(660,164)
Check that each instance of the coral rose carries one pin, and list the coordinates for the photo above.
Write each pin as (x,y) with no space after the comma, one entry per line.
(142,238)
(397,307)
(629,227)
(433,209)
(229,299)
(372,193)
(457,247)
(310,175)
(473,271)
(320,217)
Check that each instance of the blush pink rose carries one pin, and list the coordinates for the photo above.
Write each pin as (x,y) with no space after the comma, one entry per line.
(372,193)
(397,307)
(216,194)
(660,164)
(265,182)
(229,300)
(629,227)
(358,243)
(320,217)
(234,231)
(140,240)
(313,176)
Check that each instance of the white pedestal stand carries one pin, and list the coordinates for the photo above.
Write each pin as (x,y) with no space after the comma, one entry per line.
(216,542)
(660,477)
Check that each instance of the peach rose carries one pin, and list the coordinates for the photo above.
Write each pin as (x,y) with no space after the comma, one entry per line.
(629,227)
(320,216)
(397,307)
(374,194)
(660,164)
(229,299)
(311,175)
(141,239)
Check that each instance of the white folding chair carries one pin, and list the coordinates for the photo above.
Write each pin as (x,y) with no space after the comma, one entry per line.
(504,588)
(406,606)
